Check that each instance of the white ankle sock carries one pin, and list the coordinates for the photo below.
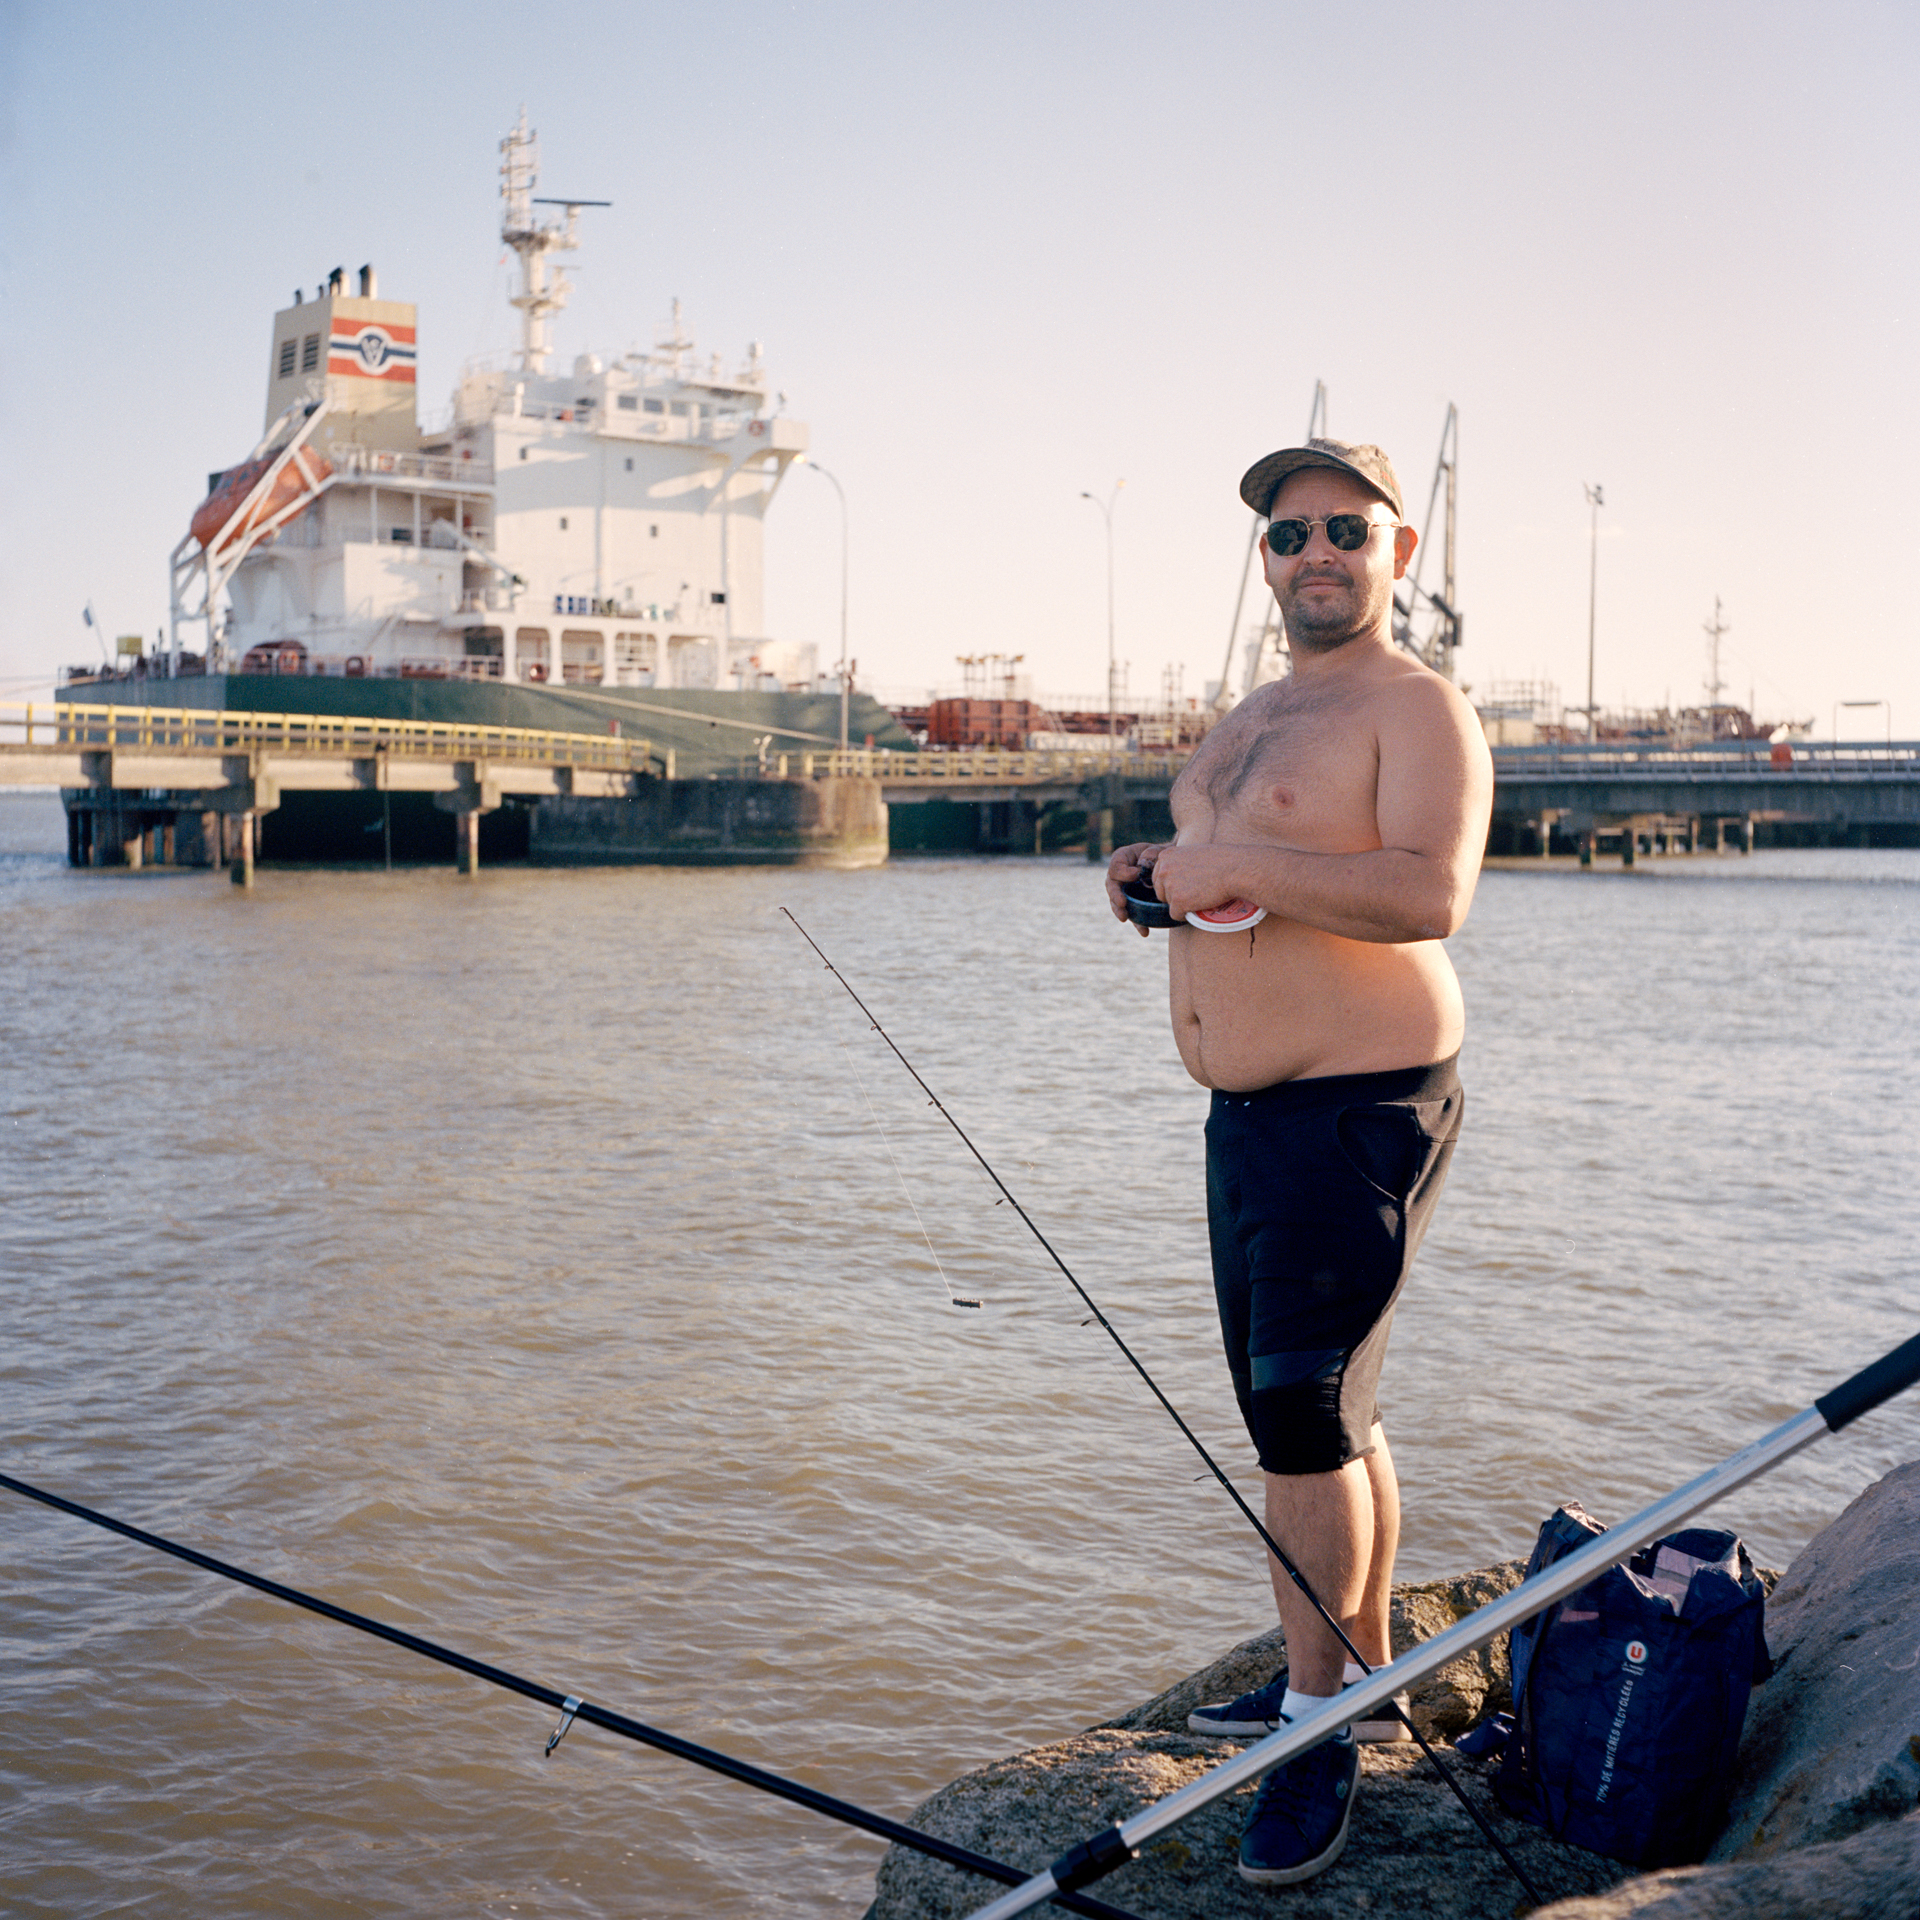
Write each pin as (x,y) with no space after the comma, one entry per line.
(1351,1672)
(1295,1704)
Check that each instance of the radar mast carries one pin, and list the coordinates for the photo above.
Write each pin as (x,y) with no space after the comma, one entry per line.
(539,298)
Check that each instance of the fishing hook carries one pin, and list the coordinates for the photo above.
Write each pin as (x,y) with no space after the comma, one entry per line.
(1273,1546)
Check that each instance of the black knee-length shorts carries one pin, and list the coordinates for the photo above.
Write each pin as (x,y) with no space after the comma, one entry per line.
(1318,1195)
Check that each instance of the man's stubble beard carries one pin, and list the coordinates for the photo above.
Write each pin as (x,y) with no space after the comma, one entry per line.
(1327,628)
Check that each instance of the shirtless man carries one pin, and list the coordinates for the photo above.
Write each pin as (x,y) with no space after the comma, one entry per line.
(1350,801)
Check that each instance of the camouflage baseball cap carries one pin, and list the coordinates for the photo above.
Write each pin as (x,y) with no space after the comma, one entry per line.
(1364,461)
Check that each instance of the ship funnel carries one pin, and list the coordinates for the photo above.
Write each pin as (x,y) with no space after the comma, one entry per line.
(369,284)
(337,281)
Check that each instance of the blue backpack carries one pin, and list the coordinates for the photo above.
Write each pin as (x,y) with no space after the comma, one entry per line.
(1629,1695)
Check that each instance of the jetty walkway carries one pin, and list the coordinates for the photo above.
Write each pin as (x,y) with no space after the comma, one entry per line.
(1620,799)
(189,786)
(186,786)
(1661,799)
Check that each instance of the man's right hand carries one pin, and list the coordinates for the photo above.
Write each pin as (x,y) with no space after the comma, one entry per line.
(1129,863)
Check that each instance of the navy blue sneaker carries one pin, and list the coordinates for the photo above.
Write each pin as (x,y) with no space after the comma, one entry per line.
(1255,1715)
(1298,1824)
(1487,1741)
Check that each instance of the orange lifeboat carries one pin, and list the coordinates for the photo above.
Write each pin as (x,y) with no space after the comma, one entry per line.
(215,518)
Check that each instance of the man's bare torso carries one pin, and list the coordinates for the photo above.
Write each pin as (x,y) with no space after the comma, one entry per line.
(1297,765)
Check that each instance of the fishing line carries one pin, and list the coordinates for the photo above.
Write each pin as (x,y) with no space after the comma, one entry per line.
(572,1706)
(1273,1546)
(953,1299)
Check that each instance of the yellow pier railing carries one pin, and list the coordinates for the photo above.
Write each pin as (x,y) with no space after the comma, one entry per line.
(85,727)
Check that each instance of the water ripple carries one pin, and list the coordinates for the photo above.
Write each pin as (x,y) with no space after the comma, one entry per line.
(519,1262)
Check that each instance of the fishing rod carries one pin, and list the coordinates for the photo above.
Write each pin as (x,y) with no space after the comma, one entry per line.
(572,1707)
(1892,1373)
(1273,1546)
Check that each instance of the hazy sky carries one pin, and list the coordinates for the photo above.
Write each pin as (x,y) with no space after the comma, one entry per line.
(1001,254)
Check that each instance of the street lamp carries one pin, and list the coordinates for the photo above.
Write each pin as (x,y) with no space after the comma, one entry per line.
(1593,589)
(1106,513)
(1838,704)
(842,492)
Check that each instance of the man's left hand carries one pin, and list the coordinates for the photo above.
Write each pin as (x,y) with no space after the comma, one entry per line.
(1193,879)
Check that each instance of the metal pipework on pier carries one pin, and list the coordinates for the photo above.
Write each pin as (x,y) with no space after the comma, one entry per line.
(1796,763)
(938,769)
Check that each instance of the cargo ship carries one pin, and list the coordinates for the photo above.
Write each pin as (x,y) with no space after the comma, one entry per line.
(566,547)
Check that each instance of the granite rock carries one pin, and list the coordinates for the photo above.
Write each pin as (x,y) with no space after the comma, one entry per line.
(1832,1742)
(1411,1850)
(1874,1875)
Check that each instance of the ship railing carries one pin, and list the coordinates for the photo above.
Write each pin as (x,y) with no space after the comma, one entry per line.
(622,425)
(443,666)
(355,666)
(100,728)
(349,457)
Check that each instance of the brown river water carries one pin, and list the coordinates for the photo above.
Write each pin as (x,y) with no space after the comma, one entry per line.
(536,1263)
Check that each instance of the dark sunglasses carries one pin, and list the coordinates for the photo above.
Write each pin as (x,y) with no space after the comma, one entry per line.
(1349,532)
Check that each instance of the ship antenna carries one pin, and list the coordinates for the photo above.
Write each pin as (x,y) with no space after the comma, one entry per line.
(1716,687)
(539,298)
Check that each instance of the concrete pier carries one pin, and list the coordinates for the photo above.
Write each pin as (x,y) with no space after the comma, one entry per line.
(149,785)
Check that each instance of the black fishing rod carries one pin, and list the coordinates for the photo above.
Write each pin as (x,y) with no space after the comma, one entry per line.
(1273,1546)
(1892,1373)
(572,1707)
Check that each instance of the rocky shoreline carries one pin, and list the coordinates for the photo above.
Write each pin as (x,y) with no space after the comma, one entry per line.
(1822,1825)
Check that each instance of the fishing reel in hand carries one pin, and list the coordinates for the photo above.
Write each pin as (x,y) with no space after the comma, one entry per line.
(1145,908)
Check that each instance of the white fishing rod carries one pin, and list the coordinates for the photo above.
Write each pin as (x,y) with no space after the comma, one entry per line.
(1891,1374)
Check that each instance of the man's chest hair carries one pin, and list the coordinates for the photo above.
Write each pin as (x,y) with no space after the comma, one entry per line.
(1282,731)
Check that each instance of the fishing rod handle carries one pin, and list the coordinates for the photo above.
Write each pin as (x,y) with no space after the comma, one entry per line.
(1892,1373)
(1021,1899)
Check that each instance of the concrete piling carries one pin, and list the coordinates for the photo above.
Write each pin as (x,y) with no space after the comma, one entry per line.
(242,829)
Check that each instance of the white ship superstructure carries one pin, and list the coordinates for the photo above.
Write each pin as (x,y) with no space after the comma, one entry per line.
(601,526)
